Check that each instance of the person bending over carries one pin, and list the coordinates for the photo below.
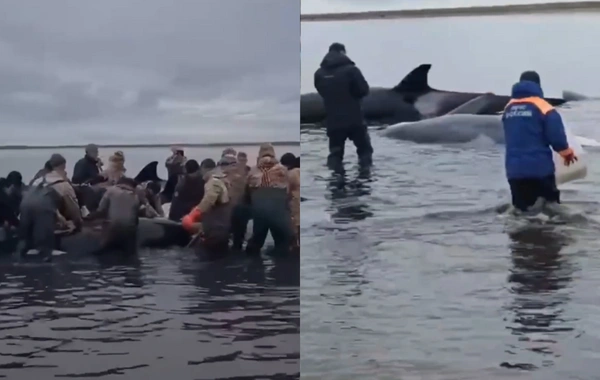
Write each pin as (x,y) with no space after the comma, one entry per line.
(532,129)
(120,205)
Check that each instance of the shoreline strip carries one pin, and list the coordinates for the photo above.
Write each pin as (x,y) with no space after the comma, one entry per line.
(494,10)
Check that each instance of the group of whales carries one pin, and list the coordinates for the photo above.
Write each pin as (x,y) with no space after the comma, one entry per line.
(416,112)
(151,233)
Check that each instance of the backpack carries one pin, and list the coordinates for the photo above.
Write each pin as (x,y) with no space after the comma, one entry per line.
(42,192)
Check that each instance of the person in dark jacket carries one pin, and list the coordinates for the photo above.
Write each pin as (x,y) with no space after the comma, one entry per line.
(288,160)
(188,192)
(40,213)
(9,215)
(532,129)
(88,167)
(342,87)
(15,189)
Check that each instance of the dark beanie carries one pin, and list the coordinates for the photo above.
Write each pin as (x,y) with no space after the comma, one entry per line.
(191,166)
(531,76)
(337,47)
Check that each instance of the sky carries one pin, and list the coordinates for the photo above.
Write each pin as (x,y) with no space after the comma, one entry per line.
(148,71)
(335,6)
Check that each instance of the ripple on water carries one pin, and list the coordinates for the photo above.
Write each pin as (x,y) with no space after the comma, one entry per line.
(410,272)
(164,315)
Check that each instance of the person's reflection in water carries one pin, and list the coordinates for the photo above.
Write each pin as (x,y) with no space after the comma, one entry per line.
(537,278)
(347,197)
(223,284)
(129,265)
(237,304)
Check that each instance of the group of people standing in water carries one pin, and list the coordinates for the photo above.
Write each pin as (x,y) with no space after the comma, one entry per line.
(214,201)
(533,128)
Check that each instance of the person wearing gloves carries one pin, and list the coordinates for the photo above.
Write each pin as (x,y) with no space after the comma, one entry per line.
(532,129)
(211,218)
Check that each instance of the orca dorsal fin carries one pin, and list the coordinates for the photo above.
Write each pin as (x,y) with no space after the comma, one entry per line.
(148,173)
(416,80)
(475,106)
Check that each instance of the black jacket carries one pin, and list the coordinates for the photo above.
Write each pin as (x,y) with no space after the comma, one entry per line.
(342,87)
(85,169)
(188,193)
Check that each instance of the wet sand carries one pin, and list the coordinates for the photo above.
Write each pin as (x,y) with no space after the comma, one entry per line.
(496,10)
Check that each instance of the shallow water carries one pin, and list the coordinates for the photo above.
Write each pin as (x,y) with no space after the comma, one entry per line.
(165,315)
(410,272)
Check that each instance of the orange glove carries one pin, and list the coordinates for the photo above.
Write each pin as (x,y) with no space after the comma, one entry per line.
(193,217)
(568,156)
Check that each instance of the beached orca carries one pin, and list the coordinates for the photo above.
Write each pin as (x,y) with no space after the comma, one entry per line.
(461,125)
(90,194)
(152,233)
(149,173)
(411,100)
(449,129)
(431,102)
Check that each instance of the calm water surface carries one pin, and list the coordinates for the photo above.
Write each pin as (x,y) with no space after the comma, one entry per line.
(166,315)
(409,272)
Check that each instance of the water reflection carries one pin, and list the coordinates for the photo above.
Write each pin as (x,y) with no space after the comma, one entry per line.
(166,314)
(348,196)
(538,276)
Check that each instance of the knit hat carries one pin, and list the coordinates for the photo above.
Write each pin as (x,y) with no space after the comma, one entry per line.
(229,151)
(531,76)
(228,159)
(118,156)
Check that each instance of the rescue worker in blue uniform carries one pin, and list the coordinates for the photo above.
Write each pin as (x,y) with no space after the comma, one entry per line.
(532,129)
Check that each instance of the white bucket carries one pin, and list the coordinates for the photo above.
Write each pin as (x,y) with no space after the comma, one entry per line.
(575,171)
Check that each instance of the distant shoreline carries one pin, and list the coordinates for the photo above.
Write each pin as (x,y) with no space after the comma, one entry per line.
(494,10)
(134,146)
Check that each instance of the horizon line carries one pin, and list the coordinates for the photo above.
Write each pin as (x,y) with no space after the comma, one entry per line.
(477,10)
(183,145)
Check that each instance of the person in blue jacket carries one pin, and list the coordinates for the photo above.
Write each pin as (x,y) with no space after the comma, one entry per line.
(532,129)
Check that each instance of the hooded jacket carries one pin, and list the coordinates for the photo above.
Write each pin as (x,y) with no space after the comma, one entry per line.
(268,186)
(342,87)
(236,177)
(63,187)
(188,193)
(532,129)
(121,205)
(215,206)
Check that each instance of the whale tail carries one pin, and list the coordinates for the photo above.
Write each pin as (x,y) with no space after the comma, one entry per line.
(475,106)
(416,81)
(148,173)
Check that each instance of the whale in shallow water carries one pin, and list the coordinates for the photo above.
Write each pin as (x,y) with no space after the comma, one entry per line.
(152,233)
(461,125)
(411,100)
(449,129)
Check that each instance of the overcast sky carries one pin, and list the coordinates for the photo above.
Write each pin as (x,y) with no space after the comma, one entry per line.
(148,71)
(333,6)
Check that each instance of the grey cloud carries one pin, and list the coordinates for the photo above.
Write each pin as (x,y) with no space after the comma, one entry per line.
(84,65)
